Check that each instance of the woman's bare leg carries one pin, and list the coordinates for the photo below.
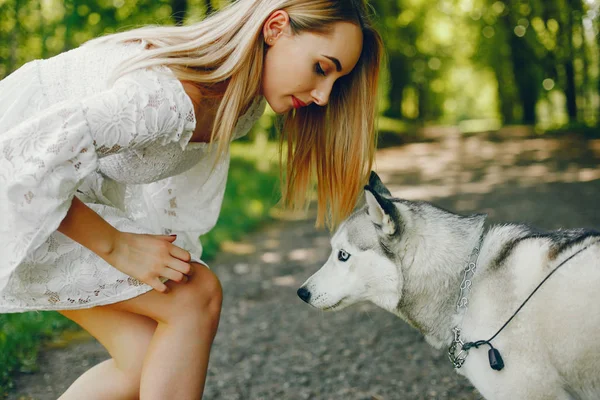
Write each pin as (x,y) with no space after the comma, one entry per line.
(188,315)
(160,343)
(126,336)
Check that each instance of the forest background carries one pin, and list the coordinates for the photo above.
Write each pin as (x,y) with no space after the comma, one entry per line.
(474,65)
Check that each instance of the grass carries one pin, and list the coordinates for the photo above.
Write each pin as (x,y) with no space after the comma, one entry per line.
(252,189)
(20,339)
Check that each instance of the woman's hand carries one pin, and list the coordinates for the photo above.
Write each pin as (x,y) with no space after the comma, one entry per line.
(148,258)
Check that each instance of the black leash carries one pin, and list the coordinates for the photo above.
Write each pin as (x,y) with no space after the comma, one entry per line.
(494,356)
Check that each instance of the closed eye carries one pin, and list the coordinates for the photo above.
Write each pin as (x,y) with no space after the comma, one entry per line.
(343,256)
(319,70)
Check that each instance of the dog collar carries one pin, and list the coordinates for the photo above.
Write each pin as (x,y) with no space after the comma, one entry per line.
(456,353)
(496,362)
(465,286)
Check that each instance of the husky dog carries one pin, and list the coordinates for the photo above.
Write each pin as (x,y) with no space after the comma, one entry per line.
(456,284)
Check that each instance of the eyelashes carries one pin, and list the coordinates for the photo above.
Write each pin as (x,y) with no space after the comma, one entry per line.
(319,70)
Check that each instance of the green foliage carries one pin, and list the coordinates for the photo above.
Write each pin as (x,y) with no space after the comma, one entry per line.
(252,190)
(20,338)
(455,60)
(31,29)
(533,61)
(541,51)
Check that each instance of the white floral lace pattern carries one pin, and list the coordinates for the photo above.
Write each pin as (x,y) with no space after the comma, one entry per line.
(123,150)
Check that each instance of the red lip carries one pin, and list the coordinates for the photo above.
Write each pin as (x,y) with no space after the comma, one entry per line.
(297,102)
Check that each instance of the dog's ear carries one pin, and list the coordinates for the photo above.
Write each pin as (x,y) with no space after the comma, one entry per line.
(378,186)
(382,211)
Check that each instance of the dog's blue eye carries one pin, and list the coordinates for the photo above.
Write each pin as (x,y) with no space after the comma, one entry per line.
(343,256)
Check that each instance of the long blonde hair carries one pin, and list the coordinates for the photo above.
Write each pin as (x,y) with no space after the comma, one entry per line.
(336,143)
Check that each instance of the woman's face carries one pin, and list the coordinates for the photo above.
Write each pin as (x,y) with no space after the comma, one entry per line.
(301,69)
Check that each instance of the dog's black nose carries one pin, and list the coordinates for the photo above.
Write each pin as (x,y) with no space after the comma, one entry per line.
(304,294)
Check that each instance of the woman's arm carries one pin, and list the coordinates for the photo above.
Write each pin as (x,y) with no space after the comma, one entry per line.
(45,158)
(144,257)
(87,228)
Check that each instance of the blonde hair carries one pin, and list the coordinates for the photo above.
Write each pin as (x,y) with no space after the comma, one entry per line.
(336,143)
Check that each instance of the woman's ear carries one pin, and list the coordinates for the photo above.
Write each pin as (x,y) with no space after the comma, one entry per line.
(275,26)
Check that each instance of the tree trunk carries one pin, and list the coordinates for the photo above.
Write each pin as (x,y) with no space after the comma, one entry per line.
(398,81)
(209,7)
(179,8)
(598,72)
(423,102)
(505,100)
(14,42)
(525,73)
(570,85)
(69,21)
(44,49)
(584,88)
(570,91)
(501,64)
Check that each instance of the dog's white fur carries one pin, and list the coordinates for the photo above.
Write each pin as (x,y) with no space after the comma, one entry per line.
(409,260)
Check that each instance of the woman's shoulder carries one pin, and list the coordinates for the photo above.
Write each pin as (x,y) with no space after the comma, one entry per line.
(97,49)
(90,62)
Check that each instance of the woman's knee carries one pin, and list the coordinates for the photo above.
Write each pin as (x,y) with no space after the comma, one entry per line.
(197,301)
(201,295)
(209,285)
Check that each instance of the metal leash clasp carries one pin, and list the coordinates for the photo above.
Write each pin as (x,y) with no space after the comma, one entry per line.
(457,344)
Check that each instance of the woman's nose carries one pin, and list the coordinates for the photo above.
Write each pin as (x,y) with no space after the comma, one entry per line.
(321,94)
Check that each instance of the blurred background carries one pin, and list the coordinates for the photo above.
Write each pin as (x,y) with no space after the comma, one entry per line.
(475,63)
(485,105)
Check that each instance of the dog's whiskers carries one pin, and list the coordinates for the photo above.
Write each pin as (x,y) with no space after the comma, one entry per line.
(333,307)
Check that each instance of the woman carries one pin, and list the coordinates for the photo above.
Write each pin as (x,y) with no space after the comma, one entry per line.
(114,156)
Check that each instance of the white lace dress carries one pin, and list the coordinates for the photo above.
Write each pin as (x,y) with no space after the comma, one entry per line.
(123,150)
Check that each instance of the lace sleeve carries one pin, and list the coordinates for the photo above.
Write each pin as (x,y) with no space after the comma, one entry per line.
(45,158)
(144,107)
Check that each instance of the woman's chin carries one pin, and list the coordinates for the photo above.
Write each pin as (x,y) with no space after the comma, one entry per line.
(279,107)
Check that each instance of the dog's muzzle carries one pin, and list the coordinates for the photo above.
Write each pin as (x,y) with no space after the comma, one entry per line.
(304,294)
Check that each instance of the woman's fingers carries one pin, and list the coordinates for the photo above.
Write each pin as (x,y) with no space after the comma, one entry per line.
(181,266)
(179,253)
(175,250)
(158,285)
(171,274)
(168,238)
(150,261)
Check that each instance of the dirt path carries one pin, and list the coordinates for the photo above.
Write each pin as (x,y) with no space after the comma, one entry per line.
(272,346)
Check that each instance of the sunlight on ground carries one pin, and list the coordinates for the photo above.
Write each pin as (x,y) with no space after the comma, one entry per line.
(477,166)
(271,243)
(301,254)
(271,257)
(287,215)
(237,248)
(286,280)
(454,165)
